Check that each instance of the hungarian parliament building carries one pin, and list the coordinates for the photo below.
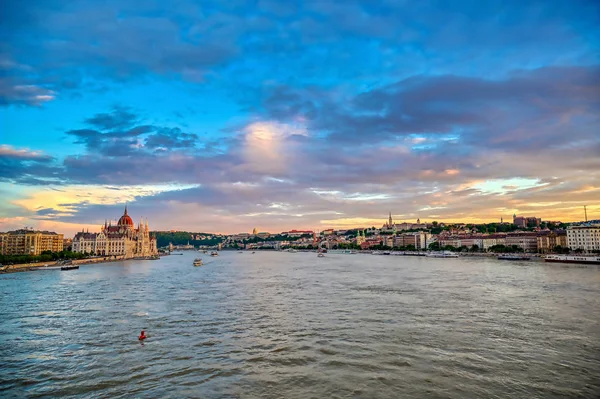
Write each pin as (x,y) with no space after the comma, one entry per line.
(124,240)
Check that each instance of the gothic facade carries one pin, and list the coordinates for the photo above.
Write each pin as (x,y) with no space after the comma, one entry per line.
(124,239)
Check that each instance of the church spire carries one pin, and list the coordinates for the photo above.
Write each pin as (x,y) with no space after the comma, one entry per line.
(125,209)
(390,220)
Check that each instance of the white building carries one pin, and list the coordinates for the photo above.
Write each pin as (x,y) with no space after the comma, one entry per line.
(120,240)
(586,237)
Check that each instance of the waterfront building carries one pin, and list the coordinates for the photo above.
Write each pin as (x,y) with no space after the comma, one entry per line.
(124,239)
(526,241)
(585,237)
(370,243)
(548,240)
(387,241)
(404,240)
(492,240)
(30,242)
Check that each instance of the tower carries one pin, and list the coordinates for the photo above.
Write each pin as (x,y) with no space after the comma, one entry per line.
(390,222)
(585,212)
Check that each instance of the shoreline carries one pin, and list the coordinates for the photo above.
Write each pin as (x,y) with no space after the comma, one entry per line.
(27,267)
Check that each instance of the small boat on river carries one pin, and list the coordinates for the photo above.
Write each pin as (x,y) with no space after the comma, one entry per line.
(214,253)
(198,262)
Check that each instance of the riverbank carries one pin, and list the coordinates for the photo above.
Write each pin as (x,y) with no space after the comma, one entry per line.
(25,267)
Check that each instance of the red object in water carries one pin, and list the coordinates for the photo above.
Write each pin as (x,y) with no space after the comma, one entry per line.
(142,336)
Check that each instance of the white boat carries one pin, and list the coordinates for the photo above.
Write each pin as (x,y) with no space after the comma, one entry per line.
(198,262)
(320,255)
(214,253)
(444,254)
(581,259)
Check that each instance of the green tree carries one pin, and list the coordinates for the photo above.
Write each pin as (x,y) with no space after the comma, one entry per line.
(434,246)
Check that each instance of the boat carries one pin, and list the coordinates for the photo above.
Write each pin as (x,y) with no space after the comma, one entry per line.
(253,252)
(513,257)
(444,254)
(198,262)
(580,259)
(239,252)
(71,267)
(214,253)
(320,255)
(47,267)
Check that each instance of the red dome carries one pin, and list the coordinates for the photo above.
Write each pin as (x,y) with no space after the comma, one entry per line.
(125,220)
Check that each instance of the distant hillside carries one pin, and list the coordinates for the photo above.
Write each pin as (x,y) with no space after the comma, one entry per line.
(183,237)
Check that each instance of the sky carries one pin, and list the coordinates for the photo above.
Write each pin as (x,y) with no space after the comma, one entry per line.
(224,116)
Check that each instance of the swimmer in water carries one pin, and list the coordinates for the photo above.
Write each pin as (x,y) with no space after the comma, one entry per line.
(142,336)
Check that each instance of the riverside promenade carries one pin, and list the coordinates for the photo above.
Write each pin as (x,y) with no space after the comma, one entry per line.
(24,267)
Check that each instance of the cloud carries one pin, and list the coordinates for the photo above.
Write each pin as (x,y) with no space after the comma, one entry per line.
(341,112)
(9,152)
(247,43)
(120,118)
(20,94)
(166,138)
(120,134)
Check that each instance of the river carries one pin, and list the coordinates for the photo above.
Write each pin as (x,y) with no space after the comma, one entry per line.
(291,325)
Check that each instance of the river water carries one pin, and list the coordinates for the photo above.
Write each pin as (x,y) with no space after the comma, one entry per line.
(291,325)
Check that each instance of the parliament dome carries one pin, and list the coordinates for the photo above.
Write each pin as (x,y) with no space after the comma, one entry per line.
(125,220)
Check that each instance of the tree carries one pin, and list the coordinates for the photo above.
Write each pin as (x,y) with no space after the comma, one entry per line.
(474,248)
(434,246)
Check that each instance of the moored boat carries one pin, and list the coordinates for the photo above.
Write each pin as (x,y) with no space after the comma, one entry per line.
(71,267)
(580,259)
(444,254)
(513,257)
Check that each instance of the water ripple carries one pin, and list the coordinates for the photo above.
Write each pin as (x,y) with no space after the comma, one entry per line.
(278,325)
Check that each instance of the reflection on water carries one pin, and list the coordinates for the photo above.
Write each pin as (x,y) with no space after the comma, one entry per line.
(293,325)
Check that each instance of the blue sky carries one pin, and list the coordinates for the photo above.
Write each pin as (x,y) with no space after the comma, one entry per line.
(224,116)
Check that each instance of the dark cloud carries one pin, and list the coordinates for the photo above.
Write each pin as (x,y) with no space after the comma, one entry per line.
(171,138)
(26,167)
(120,118)
(361,107)
(529,109)
(319,42)
(13,93)
(117,135)
(46,212)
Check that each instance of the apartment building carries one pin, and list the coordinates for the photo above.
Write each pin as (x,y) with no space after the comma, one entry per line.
(30,242)
(585,237)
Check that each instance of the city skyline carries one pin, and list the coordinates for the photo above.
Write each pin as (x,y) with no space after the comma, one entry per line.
(228,117)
